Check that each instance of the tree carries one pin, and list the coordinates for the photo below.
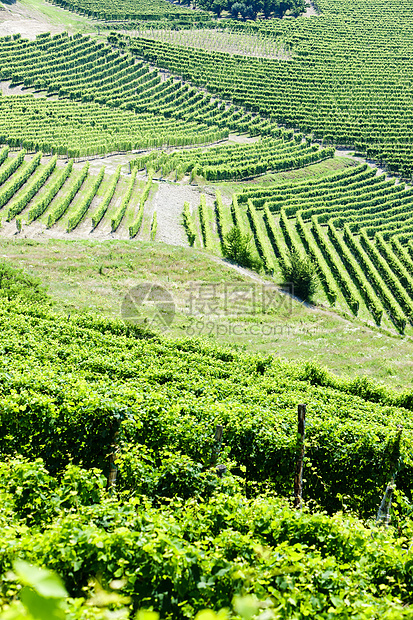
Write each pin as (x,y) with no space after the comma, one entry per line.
(237,248)
(218,6)
(236,9)
(301,272)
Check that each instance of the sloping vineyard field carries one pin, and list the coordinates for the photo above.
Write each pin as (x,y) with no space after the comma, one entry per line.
(116,101)
(355,224)
(183,14)
(113,471)
(64,198)
(139,10)
(76,129)
(230,39)
(120,105)
(347,81)
(71,387)
(238,161)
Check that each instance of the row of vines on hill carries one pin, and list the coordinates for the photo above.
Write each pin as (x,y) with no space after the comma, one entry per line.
(354,224)
(237,162)
(108,101)
(345,83)
(52,194)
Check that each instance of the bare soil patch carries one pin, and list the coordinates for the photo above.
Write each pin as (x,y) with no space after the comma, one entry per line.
(33,17)
(168,204)
(361,160)
(7,89)
(19,19)
(311,10)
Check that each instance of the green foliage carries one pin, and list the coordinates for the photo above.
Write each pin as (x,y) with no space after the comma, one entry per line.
(163,474)
(18,283)
(103,207)
(237,248)
(323,273)
(84,204)
(31,188)
(250,9)
(42,596)
(260,237)
(62,205)
(154,226)
(135,227)
(17,181)
(156,11)
(231,161)
(301,272)
(108,103)
(40,206)
(205,223)
(306,92)
(188,224)
(173,535)
(36,497)
(251,557)
(120,212)
(96,377)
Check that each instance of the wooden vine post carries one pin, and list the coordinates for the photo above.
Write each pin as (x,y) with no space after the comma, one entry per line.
(217,443)
(383,513)
(299,465)
(113,470)
(220,469)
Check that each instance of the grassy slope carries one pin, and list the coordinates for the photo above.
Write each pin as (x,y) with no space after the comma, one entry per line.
(57,17)
(93,276)
(87,275)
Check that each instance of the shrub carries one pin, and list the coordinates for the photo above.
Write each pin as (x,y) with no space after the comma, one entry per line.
(18,283)
(301,272)
(237,247)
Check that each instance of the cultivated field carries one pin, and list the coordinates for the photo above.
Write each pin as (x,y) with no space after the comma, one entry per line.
(206,218)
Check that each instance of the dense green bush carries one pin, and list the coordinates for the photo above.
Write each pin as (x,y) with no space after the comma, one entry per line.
(237,247)
(301,272)
(163,474)
(18,283)
(190,555)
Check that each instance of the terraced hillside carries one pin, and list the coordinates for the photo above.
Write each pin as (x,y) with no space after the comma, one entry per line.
(48,194)
(355,224)
(71,387)
(163,477)
(115,102)
(101,99)
(347,82)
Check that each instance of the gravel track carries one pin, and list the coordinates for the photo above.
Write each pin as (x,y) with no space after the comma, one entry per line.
(168,204)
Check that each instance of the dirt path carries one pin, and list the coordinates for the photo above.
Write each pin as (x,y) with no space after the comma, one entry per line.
(168,204)
(363,160)
(19,19)
(32,17)
(311,10)
(7,89)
